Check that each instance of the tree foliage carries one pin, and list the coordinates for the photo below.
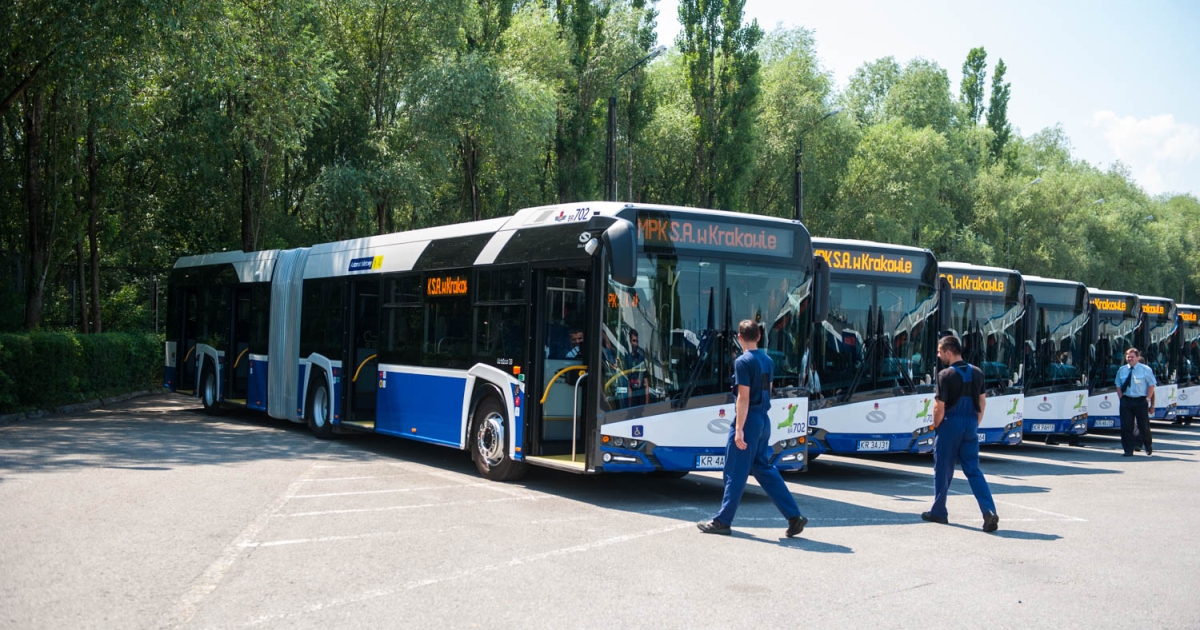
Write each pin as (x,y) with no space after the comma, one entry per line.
(133,132)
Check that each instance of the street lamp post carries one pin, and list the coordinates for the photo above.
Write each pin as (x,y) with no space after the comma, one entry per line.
(798,184)
(610,157)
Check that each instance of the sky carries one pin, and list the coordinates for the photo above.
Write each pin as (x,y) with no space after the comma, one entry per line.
(1122,78)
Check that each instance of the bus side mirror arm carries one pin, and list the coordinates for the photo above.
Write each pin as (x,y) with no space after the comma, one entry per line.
(945,304)
(620,246)
(1030,317)
(821,288)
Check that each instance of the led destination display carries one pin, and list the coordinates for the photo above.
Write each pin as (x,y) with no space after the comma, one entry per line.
(969,283)
(660,230)
(870,262)
(445,286)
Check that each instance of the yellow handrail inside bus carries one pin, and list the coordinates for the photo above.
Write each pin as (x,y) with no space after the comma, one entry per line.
(641,367)
(554,379)
(239,359)
(189,353)
(360,367)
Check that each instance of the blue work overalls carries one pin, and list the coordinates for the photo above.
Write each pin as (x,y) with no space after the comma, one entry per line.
(958,439)
(756,459)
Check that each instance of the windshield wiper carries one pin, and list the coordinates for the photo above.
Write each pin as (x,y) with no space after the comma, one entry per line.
(703,350)
(868,358)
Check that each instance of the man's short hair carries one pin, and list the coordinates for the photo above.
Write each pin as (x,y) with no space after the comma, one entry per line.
(1134,351)
(748,330)
(633,334)
(950,343)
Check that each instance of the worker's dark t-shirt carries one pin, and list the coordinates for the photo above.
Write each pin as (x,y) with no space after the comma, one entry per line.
(950,385)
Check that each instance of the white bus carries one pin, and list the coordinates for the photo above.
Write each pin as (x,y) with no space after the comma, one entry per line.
(1118,317)
(594,337)
(1189,363)
(1058,367)
(988,313)
(875,355)
(1158,344)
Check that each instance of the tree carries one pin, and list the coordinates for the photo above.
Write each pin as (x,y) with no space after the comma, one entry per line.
(921,97)
(721,59)
(974,71)
(997,114)
(869,87)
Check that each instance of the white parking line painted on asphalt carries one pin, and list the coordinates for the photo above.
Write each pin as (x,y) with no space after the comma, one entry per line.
(357,478)
(185,609)
(389,490)
(415,584)
(392,508)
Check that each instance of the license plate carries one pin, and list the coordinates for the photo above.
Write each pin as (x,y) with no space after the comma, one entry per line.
(1105,424)
(710,462)
(982,437)
(1042,428)
(874,445)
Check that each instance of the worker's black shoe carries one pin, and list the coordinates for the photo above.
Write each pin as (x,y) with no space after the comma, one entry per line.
(796,525)
(928,516)
(1149,451)
(991,522)
(715,527)
(1177,423)
(1126,454)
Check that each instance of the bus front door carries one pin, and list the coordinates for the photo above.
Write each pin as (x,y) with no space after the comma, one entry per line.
(186,353)
(562,325)
(360,377)
(239,373)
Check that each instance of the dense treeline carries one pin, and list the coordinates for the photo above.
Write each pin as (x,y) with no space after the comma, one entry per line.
(136,131)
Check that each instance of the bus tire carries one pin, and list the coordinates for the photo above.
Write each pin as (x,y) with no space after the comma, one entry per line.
(488,441)
(316,412)
(208,390)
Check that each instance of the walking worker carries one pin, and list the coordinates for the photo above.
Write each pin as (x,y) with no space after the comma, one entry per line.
(957,411)
(1135,386)
(749,447)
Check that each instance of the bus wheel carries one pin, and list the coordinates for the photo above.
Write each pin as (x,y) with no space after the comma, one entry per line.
(667,474)
(489,442)
(208,391)
(316,412)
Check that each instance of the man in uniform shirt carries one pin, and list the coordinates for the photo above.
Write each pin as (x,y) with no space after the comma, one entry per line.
(957,411)
(1135,386)
(749,447)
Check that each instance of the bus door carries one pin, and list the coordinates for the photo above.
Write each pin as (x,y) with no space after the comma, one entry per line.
(238,374)
(560,353)
(185,354)
(360,367)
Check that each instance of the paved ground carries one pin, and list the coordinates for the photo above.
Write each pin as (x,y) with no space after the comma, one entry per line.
(153,515)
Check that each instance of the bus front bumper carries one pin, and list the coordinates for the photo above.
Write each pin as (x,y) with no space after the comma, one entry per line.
(1007,435)
(821,441)
(1076,425)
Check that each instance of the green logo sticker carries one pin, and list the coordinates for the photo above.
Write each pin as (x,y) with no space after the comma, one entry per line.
(925,412)
(791,417)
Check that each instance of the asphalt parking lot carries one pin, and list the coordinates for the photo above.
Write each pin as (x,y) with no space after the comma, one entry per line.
(151,514)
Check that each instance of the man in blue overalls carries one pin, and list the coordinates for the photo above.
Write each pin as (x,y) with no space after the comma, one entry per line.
(749,447)
(956,415)
(1135,386)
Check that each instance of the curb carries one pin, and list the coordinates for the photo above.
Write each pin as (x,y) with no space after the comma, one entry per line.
(14,418)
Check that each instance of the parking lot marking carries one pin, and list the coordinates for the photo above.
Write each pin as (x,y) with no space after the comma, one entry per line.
(189,603)
(467,573)
(392,508)
(389,490)
(356,478)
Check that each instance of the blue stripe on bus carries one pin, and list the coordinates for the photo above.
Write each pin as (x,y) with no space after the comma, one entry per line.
(422,407)
(256,394)
(518,421)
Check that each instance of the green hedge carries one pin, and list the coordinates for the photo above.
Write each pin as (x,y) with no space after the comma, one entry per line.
(44,370)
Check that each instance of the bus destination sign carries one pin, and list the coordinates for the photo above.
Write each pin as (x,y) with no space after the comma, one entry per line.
(1110,305)
(982,285)
(868,262)
(1188,316)
(1150,308)
(439,286)
(661,230)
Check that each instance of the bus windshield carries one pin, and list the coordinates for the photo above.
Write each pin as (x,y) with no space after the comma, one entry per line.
(851,357)
(989,328)
(1115,337)
(673,334)
(1190,363)
(1158,352)
(1061,353)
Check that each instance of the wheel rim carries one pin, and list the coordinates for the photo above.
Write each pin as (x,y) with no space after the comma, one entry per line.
(210,390)
(320,407)
(489,441)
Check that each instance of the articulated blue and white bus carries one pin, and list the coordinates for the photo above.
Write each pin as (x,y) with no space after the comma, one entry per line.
(1189,363)
(1118,317)
(988,313)
(1058,366)
(587,337)
(875,355)
(1157,342)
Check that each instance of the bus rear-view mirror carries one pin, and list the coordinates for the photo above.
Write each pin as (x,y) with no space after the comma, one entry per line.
(945,304)
(821,284)
(620,245)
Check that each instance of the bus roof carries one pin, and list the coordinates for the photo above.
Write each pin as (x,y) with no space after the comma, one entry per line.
(1123,294)
(983,268)
(1052,281)
(849,242)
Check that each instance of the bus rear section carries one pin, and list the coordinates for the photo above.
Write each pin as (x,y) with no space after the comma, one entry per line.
(1118,320)
(1189,363)
(666,343)
(988,314)
(1159,347)
(874,357)
(1057,364)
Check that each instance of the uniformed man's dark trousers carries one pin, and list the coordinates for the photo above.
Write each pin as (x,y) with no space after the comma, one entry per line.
(756,460)
(1135,410)
(958,441)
